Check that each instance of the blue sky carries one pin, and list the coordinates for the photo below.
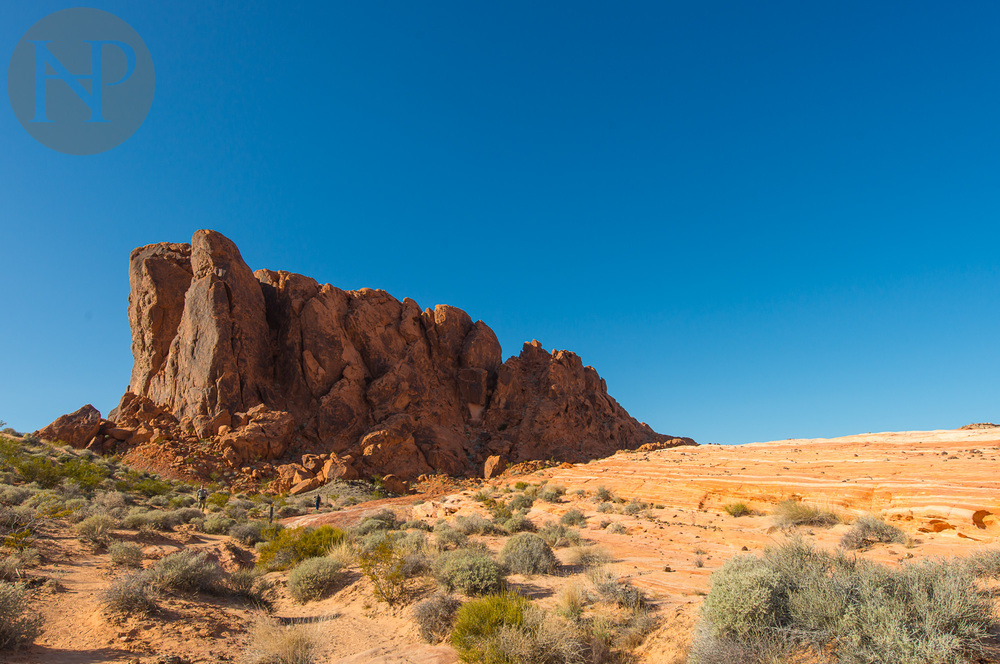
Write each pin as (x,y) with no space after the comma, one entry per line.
(757,222)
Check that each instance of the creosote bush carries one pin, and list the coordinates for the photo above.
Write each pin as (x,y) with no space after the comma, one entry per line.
(868,530)
(796,599)
(311,578)
(470,570)
(292,545)
(736,509)
(435,616)
(19,624)
(572,517)
(95,529)
(527,553)
(187,571)
(129,593)
(383,563)
(125,554)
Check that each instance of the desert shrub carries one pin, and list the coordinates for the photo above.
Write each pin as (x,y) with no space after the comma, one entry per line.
(181,501)
(383,564)
(573,517)
(186,571)
(736,509)
(142,483)
(311,578)
(617,529)
(158,501)
(435,615)
(518,523)
(416,524)
(602,495)
(790,513)
(217,525)
(125,554)
(380,521)
(605,507)
(249,533)
(552,494)
(292,545)
(796,597)
(248,585)
(13,564)
(95,528)
(19,624)
(217,500)
(184,515)
(158,520)
(474,525)
(479,620)
(868,530)
(588,556)
(527,553)
(521,502)
(983,563)
(447,537)
(558,535)
(571,601)
(271,643)
(469,570)
(129,593)
(634,507)
(13,495)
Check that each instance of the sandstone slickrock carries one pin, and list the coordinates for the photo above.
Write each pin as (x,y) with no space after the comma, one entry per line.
(266,364)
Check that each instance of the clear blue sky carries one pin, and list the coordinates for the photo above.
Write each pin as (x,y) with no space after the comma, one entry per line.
(756,220)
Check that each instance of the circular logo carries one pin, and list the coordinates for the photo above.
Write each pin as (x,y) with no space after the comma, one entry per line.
(81,81)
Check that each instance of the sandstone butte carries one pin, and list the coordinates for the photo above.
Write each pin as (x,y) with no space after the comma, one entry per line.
(269,375)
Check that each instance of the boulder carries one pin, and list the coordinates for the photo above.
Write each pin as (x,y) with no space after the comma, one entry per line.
(77,428)
(304,485)
(395,485)
(494,466)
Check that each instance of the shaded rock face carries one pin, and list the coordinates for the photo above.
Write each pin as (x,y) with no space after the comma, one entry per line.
(270,363)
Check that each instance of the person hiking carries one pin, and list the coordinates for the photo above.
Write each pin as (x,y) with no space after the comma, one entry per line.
(202,498)
(317,502)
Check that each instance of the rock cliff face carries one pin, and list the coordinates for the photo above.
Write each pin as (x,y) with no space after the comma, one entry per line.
(265,364)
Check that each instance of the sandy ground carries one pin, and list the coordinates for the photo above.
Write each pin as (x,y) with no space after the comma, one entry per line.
(941,487)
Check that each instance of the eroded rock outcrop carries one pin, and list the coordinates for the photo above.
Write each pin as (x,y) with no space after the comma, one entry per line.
(256,366)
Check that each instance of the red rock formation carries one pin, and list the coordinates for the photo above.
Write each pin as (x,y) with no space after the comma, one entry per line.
(270,363)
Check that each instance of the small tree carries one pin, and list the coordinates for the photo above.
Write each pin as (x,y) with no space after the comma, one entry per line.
(383,564)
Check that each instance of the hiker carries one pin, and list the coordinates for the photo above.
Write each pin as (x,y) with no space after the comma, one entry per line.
(317,502)
(202,498)
(270,514)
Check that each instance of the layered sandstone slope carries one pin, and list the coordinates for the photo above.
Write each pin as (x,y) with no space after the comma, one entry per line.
(265,364)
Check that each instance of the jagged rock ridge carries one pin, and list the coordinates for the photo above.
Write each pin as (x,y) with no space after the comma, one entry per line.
(269,363)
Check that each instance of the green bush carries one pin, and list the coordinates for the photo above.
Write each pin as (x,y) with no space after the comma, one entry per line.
(249,533)
(736,509)
(552,494)
(800,599)
(143,483)
(474,525)
(249,585)
(521,502)
(518,523)
(186,571)
(435,616)
(20,624)
(311,578)
(217,525)
(527,553)
(125,554)
(292,545)
(447,537)
(868,530)
(381,520)
(479,620)
(383,563)
(605,507)
(602,495)
(470,570)
(416,524)
(129,594)
(573,518)
(95,528)
(558,535)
